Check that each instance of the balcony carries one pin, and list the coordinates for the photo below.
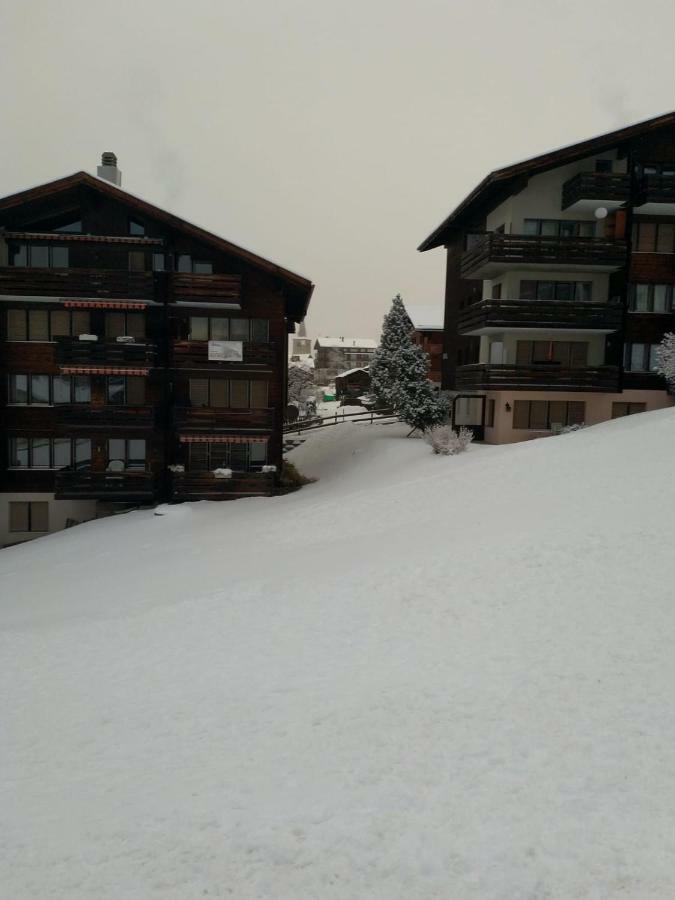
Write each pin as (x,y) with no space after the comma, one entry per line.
(187,288)
(100,284)
(84,415)
(205,486)
(495,253)
(491,316)
(537,377)
(586,191)
(656,195)
(209,418)
(127,487)
(72,352)
(195,355)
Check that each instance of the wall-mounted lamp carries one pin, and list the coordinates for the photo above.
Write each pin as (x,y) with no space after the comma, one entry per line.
(507,406)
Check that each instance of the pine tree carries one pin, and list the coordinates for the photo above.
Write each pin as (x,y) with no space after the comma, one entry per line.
(665,358)
(398,373)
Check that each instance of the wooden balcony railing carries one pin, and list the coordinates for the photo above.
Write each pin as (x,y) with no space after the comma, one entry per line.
(205,485)
(115,284)
(607,186)
(205,288)
(195,355)
(115,486)
(74,352)
(85,415)
(537,376)
(493,252)
(656,189)
(540,314)
(209,418)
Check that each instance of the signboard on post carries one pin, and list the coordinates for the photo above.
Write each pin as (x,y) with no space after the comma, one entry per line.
(226,351)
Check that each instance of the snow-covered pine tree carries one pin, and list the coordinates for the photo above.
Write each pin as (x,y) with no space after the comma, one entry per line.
(665,358)
(396,330)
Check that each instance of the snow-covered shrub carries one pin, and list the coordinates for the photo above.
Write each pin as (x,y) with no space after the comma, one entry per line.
(223,473)
(566,429)
(446,441)
(665,358)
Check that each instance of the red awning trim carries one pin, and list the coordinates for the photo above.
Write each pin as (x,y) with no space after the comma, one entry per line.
(103,304)
(103,370)
(59,237)
(223,439)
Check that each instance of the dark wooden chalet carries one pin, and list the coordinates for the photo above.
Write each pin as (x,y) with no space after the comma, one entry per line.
(143,358)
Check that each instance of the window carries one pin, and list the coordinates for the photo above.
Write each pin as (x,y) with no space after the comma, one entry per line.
(129,451)
(30,516)
(136,228)
(654,237)
(568,354)
(125,324)
(38,256)
(158,262)
(558,228)
(45,325)
(200,267)
(240,457)
(199,328)
(72,227)
(48,453)
(239,395)
(137,261)
(497,291)
(224,393)
(619,410)
(657,298)
(185,263)
(48,390)
(224,329)
(557,291)
(541,415)
(239,329)
(603,165)
(126,390)
(640,357)
(490,414)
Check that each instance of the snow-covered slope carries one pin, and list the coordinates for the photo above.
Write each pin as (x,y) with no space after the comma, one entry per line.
(421,677)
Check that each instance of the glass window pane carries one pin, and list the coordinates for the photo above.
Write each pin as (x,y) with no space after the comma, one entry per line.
(39,514)
(219,392)
(62,453)
(135,390)
(60,319)
(259,395)
(18,389)
(531,226)
(584,291)
(136,228)
(136,449)
(640,297)
(541,351)
(18,255)
(18,516)
(239,457)
(260,328)
(653,362)
(18,453)
(549,228)
(664,238)
(16,325)
(116,450)
(81,323)
(239,330)
(528,290)
(38,325)
(116,393)
(39,256)
(74,227)
(59,257)
(82,389)
(565,291)
(39,389)
(136,325)
(199,392)
(538,414)
(578,354)
(239,394)
(200,267)
(40,453)
(114,324)
(568,229)
(199,328)
(82,453)
(660,298)
(546,290)
(258,453)
(586,229)
(220,329)
(637,357)
(61,388)
(158,262)
(184,263)
(219,456)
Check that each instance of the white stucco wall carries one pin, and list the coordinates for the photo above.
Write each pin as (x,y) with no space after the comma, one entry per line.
(59,512)
(510,282)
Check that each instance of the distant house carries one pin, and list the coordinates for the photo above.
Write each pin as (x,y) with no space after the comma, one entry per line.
(428,324)
(334,355)
(352,384)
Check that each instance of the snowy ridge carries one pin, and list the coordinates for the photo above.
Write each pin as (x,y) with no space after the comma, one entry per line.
(419,677)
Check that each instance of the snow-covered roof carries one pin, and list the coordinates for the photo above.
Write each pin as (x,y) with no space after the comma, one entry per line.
(425,317)
(351,371)
(338,342)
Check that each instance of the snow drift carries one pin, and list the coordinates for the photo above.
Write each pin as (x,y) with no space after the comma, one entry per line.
(420,677)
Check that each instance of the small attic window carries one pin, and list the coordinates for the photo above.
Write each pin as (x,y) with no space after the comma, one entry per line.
(72,227)
(136,228)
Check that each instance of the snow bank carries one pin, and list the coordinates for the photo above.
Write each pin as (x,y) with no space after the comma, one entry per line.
(420,677)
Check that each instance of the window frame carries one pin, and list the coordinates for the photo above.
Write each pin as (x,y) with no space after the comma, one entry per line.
(29,376)
(29,504)
(651,290)
(50,339)
(29,439)
(31,246)
(517,408)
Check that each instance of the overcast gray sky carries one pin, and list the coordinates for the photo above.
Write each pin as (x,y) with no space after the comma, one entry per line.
(329,136)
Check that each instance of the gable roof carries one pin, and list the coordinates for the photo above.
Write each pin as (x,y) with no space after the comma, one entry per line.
(300,286)
(425,317)
(342,342)
(501,179)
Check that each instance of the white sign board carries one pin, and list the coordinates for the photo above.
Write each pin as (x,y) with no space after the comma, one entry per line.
(226,351)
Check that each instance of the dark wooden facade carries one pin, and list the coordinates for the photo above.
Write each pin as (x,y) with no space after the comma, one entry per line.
(170,277)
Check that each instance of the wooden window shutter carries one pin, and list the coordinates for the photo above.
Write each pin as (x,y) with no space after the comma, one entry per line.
(219,392)
(523,353)
(60,323)
(81,322)
(259,395)
(579,354)
(199,392)
(539,414)
(576,412)
(521,413)
(18,516)
(135,390)
(16,325)
(38,324)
